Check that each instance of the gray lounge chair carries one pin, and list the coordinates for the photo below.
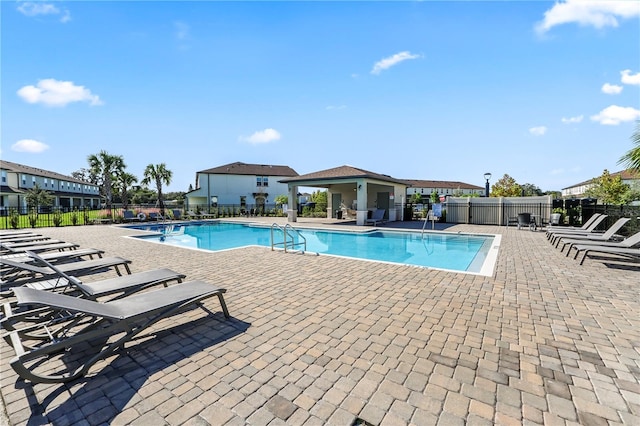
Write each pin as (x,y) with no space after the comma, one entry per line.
(13,271)
(632,241)
(589,227)
(23,238)
(10,246)
(630,253)
(97,329)
(376,217)
(38,248)
(56,256)
(606,236)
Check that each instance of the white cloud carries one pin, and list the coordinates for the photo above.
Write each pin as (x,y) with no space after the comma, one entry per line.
(40,8)
(262,136)
(611,89)
(538,131)
(387,63)
(53,92)
(614,115)
(628,78)
(570,120)
(29,145)
(596,13)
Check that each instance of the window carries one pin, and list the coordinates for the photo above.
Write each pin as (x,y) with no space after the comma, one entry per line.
(24,180)
(258,180)
(4,176)
(46,182)
(243,202)
(265,181)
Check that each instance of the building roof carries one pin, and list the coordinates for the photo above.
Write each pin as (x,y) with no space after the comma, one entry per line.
(442,184)
(239,168)
(344,172)
(21,168)
(624,175)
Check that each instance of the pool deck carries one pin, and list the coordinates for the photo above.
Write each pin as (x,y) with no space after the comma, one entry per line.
(320,340)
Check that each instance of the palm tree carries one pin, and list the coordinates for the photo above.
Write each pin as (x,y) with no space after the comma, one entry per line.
(632,158)
(159,174)
(106,167)
(124,182)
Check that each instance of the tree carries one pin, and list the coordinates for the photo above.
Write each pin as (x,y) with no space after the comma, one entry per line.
(435,198)
(632,158)
(37,197)
(416,198)
(85,175)
(506,186)
(106,166)
(281,199)
(159,174)
(609,189)
(124,181)
(320,198)
(530,190)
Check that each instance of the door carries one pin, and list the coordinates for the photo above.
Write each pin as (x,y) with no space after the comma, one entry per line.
(383,203)
(336,199)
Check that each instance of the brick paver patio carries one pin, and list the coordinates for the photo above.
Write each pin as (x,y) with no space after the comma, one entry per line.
(317,340)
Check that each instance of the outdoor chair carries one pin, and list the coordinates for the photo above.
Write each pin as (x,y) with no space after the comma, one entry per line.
(129,216)
(50,351)
(630,253)
(376,217)
(38,248)
(14,271)
(568,239)
(120,286)
(12,246)
(587,228)
(56,256)
(177,214)
(632,241)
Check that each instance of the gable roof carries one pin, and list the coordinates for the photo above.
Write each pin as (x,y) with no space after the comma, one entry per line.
(344,172)
(239,168)
(21,168)
(624,175)
(442,184)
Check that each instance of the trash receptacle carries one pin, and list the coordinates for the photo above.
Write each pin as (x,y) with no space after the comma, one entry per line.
(338,214)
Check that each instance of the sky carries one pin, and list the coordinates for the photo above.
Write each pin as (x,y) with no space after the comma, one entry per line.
(546,92)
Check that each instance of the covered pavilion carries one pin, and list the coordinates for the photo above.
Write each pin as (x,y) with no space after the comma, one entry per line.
(352,189)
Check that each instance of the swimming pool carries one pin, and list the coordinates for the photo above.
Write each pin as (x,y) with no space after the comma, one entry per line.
(469,253)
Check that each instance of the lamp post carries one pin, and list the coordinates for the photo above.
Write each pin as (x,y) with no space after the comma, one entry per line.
(487,176)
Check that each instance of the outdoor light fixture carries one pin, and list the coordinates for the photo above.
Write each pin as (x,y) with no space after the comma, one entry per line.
(487,176)
(359,186)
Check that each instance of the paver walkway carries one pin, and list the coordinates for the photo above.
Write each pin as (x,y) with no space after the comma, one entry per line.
(317,340)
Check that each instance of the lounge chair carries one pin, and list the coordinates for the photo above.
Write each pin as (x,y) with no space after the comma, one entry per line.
(155,216)
(40,248)
(632,241)
(22,238)
(376,217)
(193,215)
(631,253)
(588,227)
(59,256)
(129,216)
(177,214)
(606,236)
(9,246)
(13,271)
(97,329)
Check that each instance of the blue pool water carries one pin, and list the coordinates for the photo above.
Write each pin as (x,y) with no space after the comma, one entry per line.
(458,252)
